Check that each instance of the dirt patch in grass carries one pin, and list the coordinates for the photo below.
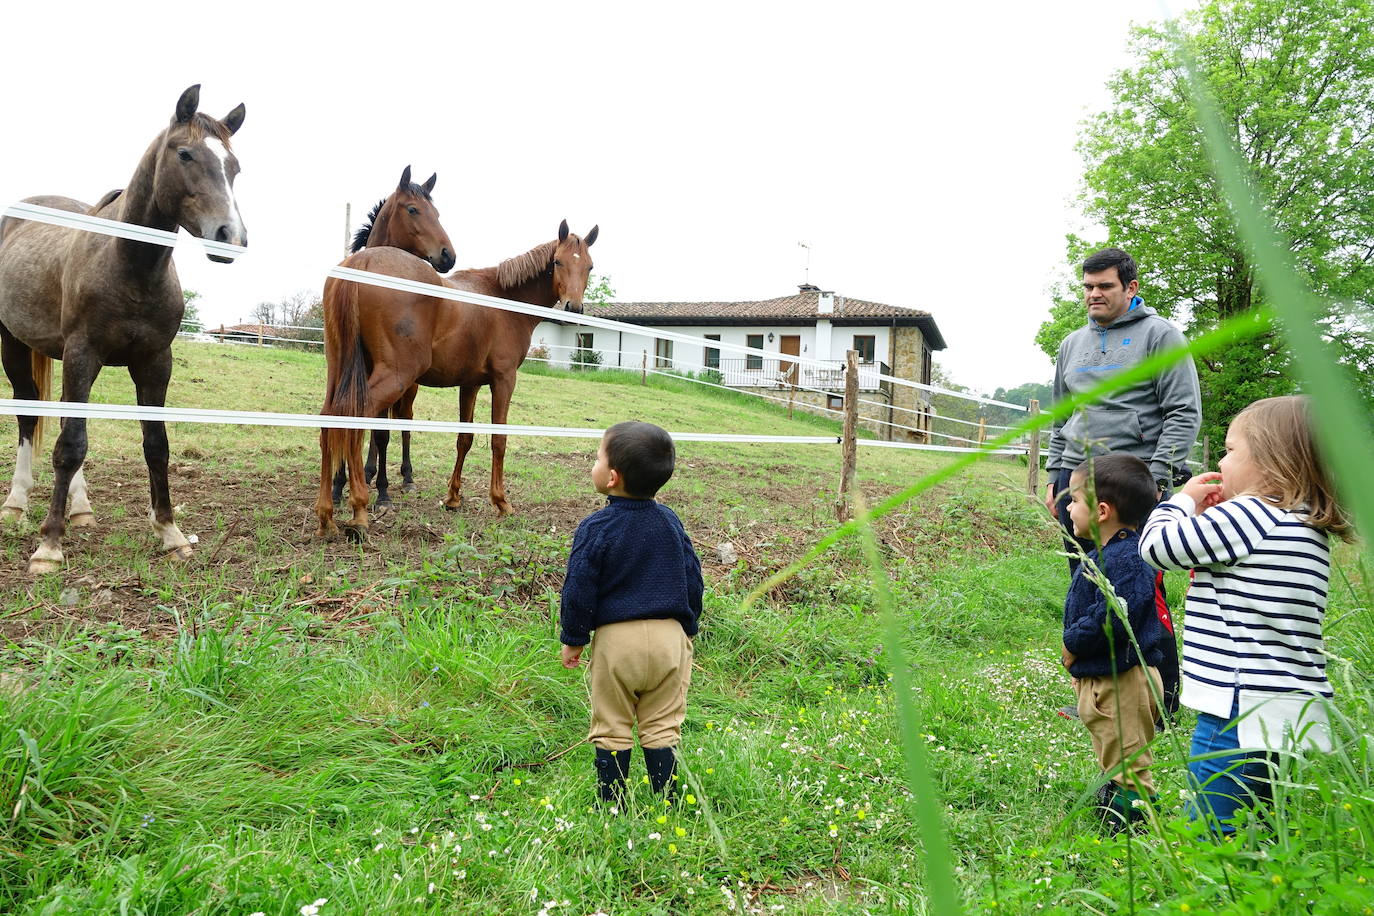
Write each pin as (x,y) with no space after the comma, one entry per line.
(255,535)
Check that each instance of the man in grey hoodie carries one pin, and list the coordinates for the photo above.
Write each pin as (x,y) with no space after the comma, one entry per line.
(1156,420)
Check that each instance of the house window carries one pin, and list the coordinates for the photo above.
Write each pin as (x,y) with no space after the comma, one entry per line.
(584,340)
(925,364)
(753,360)
(663,354)
(712,360)
(864,344)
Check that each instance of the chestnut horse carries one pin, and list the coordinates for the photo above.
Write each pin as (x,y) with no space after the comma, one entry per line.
(95,300)
(408,339)
(408,220)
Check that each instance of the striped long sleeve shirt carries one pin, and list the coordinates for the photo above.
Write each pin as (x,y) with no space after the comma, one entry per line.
(1252,632)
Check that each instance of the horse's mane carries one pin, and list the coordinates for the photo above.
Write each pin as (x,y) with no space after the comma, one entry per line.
(360,237)
(106,200)
(514,271)
(202,124)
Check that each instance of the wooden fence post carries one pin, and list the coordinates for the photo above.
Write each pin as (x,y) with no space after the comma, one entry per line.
(644,368)
(791,396)
(982,431)
(849,448)
(1033,475)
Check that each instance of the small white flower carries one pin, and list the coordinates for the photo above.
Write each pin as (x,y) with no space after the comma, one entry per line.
(431,887)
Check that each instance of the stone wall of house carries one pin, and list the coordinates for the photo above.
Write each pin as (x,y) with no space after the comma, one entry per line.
(905,360)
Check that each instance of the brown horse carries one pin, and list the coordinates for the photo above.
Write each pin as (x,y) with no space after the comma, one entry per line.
(408,220)
(94,301)
(408,338)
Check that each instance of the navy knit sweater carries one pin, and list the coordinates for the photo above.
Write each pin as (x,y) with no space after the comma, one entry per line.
(630,561)
(1086,611)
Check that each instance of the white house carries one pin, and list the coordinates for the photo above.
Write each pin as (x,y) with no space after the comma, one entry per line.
(813,324)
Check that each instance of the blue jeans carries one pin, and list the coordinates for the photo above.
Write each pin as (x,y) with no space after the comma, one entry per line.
(1223,785)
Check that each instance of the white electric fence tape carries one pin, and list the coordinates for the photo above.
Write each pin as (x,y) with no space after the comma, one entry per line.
(101,226)
(21,407)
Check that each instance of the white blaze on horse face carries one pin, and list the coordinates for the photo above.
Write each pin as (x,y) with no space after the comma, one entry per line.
(232,220)
(23,478)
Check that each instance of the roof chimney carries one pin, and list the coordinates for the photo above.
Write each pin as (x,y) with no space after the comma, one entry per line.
(826,305)
(808,287)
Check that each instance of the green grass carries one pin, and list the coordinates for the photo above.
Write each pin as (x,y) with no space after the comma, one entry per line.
(388,727)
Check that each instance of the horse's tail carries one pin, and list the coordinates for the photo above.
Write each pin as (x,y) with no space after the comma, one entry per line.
(41,368)
(346,380)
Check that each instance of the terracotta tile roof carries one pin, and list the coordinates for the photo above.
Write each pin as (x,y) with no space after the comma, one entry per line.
(800,307)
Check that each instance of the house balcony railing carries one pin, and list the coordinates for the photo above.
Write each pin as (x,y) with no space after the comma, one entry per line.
(767,372)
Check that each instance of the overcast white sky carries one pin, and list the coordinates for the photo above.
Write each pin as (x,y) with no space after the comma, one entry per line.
(926,152)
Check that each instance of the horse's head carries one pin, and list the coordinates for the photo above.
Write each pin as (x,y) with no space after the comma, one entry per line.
(572,266)
(195,171)
(409,220)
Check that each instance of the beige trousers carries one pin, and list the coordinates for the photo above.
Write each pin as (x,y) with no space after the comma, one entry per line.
(1117,739)
(640,670)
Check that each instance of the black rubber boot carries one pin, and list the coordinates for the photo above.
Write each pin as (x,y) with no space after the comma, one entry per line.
(611,769)
(661,762)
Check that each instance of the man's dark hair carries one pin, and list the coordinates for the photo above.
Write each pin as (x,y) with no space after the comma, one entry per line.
(643,454)
(1112,257)
(1122,481)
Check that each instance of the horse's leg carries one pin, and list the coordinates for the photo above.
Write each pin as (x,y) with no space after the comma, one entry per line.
(79,512)
(18,367)
(340,478)
(380,439)
(324,502)
(382,391)
(80,366)
(150,380)
(405,409)
(370,465)
(467,406)
(501,390)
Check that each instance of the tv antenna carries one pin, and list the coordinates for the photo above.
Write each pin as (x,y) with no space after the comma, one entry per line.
(807,246)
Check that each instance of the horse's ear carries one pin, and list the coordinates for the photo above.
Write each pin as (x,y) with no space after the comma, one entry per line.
(563,231)
(187,104)
(591,236)
(429,185)
(234,119)
(405,180)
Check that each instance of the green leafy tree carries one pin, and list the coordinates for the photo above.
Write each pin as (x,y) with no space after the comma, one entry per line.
(190,319)
(599,289)
(1294,80)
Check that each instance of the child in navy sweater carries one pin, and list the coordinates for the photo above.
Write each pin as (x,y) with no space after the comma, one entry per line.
(1116,678)
(635,579)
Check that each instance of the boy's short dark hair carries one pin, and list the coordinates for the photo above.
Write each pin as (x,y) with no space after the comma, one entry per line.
(1108,258)
(643,454)
(1124,482)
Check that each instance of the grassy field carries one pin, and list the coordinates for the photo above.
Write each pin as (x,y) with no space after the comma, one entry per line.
(284,726)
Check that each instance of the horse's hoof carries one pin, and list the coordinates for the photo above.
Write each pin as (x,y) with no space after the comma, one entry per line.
(181,554)
(453,505)
(11,514)
(42,567)
(355,533)
(82,520)
(409,488)
(382,505)
(503,510)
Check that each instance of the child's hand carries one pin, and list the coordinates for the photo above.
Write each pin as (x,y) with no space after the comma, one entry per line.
(572,656)
(1205,489)
(1067,657)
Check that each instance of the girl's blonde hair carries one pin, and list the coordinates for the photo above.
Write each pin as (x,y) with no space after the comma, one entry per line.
(1284,450)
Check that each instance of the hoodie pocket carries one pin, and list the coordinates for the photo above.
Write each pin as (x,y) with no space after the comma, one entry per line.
(1111,428)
